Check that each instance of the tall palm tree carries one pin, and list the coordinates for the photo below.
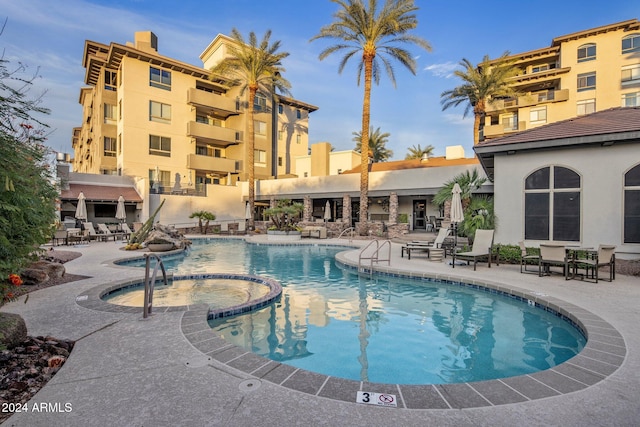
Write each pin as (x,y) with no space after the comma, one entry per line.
(361,28)
(482,84)
(254,67)
(468,182)
(417,152)
(378,152)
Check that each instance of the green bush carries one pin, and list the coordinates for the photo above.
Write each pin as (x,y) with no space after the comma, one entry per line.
(511,254)
(403,218)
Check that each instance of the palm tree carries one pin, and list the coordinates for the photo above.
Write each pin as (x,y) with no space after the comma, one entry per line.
(483,84)
(417,152)
(378,152)
(468,182)
(361,29)
(256,67)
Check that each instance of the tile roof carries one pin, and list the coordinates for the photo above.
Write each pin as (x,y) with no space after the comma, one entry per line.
(433,162)
(100,193)
(606,122)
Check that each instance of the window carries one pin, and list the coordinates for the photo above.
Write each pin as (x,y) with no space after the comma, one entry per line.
(159,78)
(159,145)
(159,112)
(631,99)
(259,128)
(109,147)
(260,102)
(298,114)
(119,144)
(632,205)
(279,161)
(586,81)
(205,150)
(120,110)
(631,43)
(280,109)
(630,74)
(280,135)
(587,106)
(110,80)
(298,138)
(259,157)
(538,115)
(539,68)
(586,52)
(109,114)
(510,122)
(552,205)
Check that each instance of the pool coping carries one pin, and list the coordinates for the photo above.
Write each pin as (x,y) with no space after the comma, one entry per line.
(602,355)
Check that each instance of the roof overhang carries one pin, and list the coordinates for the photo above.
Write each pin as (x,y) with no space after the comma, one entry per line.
(100,193)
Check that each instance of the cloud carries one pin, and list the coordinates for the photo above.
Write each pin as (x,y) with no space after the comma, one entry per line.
(442,70)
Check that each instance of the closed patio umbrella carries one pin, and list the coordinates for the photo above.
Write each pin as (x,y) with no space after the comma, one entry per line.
(81,209)
(327,211)
(457,215)
(121,214)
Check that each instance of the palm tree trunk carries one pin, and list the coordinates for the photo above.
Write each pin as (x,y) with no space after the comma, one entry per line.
(478,114)
(250,153)
(364,142)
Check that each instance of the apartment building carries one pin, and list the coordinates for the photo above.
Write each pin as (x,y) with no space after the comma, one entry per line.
(580,73)
(150,116)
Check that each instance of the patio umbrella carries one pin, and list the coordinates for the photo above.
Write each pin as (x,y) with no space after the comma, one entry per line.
(457,215)
(327,211)
(247,211)
(81,209)
(121,214)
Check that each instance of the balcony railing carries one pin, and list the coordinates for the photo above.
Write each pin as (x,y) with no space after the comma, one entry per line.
(528,100)
(211,164)
(178,189)
(221,105)
(215,135)
(493,131)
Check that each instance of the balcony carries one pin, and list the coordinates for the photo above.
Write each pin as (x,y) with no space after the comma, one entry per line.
(495,131)
(215,135)
(211,164)
(528,100)
(220,105)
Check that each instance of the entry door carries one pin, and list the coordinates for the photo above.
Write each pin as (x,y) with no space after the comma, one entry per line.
(419,215)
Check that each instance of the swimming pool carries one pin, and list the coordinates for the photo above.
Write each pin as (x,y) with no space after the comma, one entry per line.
(388,330)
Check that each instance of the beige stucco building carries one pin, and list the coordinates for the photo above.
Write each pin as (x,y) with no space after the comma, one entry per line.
(155,118)
(578,74)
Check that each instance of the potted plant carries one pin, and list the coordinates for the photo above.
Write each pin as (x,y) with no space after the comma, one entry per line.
(159,245)
(284,218)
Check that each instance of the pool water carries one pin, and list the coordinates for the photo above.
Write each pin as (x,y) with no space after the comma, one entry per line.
(387,330)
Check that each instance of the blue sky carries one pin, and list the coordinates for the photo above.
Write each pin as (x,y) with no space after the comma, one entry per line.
(48,36)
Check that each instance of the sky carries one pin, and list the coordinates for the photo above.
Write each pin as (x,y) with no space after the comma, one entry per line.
(47,36)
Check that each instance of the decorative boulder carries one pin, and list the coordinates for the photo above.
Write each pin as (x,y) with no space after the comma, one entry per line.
(34,276)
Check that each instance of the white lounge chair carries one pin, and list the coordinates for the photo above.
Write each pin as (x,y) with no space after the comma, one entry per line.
(91,232)
(425,246)
(482,249)
(108,233)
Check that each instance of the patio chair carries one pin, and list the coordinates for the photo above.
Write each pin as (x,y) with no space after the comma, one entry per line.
(60,235)
(91,232)
(604,257)
(527,258)
(108,233)
(482,249)
(553,255)
(126,231)
(425,246)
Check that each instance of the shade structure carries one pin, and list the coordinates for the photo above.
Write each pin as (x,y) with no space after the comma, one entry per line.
(81,208)
(327,211)
(121,213)
(457,215)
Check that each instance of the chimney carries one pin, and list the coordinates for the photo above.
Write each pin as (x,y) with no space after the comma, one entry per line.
(146,41)
(425,158)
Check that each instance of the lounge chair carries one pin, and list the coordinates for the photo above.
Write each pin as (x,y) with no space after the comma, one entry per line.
(91,232)
(553,255)
(421,246)
(108,233)
(482,249)
(126,231)
(527,258)
(604,257)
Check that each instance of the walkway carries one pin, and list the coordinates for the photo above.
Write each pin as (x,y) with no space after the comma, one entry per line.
(132,372)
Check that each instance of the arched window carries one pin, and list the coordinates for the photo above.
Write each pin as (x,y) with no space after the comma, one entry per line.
(552,204)
(632,205)
(587,52)
(631,43)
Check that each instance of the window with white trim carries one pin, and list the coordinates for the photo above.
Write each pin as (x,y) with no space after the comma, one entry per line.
(110,146)
(631,99)
(110,80)
(280,135)
(260,102)
(159,112)
(259,128)
(159,145)
(631,43)
(587,52)
(509,121)
(630,75)
(586,81)
(632,205)
(259,157)
(538,115)
(298,138)
(586,106)
(109,114)
(552,204)
(159,78)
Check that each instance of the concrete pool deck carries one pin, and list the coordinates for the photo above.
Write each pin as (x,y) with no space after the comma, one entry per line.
(127,371)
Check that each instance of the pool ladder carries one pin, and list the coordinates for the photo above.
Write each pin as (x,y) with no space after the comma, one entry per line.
(150,281)
(375,255)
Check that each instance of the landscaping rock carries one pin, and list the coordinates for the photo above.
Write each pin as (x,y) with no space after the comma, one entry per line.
(33,276)
(13,330)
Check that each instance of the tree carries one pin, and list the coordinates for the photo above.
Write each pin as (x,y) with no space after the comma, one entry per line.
(203,216)
(378,152)
(376,35)
(27,192)
(254,67)
(483,84)
(417,152)
(285,215)
(468,182)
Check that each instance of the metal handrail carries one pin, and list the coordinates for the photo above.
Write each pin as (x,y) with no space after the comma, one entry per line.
(375,255)
(351,230)
(149,283)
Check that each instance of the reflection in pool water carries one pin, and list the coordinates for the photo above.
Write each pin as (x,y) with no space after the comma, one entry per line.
(384,330)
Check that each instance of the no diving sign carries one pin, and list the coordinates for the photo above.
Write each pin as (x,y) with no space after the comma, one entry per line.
(380,399)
